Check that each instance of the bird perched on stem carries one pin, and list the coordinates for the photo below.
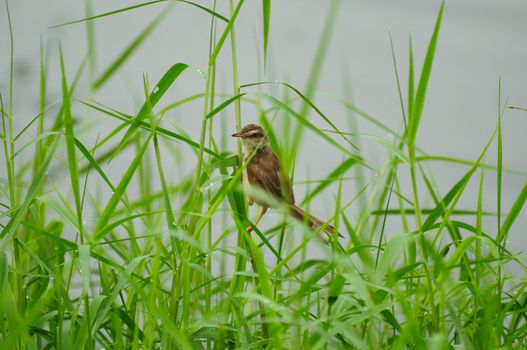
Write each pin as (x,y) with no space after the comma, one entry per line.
(264,172)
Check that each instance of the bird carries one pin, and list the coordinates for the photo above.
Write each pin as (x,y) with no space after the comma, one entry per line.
(264,172)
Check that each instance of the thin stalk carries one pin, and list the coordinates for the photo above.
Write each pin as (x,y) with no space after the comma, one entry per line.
(208,261)
(9,150)
(236,85)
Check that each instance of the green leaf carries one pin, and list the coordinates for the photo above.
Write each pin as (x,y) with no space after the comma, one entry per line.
(35,186)
(146,126)
(513,213)
(223,106)
(309,104)
(38,138)
(160,89)
(335,288)
(84,263)
(124,9)
(266,15)
(121,188)
(128,51)
(333,176)
(418,104)
(93,163)
(70,146)
(225,33)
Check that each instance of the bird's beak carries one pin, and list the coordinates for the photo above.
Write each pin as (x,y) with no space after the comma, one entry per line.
(236,135)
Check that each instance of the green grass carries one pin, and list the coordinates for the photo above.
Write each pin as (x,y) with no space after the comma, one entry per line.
(143,262)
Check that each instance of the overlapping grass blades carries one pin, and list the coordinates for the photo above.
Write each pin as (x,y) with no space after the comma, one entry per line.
(152,259)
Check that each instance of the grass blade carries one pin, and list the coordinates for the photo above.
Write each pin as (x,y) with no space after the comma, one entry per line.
(266,15)
(160,89)
(128,51)
(121,188)
(513,214)
(418,104)
(70,147)
(125,9)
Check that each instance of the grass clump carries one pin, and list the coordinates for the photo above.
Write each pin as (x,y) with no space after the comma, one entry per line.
(142,262)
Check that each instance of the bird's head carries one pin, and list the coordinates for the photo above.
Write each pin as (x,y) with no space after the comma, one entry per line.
(252,136)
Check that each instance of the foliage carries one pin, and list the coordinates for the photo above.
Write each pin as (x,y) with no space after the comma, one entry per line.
(154,267)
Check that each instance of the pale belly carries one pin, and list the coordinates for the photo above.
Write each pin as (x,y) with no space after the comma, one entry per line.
(246,185)
(245,180)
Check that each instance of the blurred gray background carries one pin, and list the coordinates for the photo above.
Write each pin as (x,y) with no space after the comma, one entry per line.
(480,42)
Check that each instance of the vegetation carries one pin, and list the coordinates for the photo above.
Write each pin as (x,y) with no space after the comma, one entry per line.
(143,262)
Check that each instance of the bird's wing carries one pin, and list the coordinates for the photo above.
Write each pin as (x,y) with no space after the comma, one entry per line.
(264,171)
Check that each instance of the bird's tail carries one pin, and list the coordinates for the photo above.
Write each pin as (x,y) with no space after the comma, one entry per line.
(312,221)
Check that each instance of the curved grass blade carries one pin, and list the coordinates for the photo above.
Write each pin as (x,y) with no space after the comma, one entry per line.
(335,174)
(105,230)
(93,163)
(129,50)
(309,104)
(310,126)
(159,90)
(125,9)
(146,126)
(513,214)
(38,138)
(226,32)
(223,106)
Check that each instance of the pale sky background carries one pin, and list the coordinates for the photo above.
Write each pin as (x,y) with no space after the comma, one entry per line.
(480,42)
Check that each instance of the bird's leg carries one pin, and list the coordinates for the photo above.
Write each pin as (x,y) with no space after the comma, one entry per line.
(262,213)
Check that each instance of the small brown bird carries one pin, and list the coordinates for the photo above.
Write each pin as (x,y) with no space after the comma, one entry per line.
(265,172)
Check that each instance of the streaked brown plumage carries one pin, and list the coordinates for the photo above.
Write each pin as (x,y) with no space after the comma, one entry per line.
(265,172)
